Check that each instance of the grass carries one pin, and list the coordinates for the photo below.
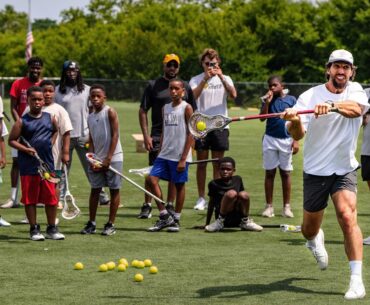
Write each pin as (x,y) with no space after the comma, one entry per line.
(231,267)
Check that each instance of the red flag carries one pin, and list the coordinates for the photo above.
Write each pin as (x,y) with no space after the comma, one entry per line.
(29,42)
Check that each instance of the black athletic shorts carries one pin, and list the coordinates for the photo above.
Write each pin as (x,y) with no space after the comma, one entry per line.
(316,189)
(216,140)
(153,154)
(233,219)
(365,168)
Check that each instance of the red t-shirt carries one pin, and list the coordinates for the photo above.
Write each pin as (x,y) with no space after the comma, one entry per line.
(19,92)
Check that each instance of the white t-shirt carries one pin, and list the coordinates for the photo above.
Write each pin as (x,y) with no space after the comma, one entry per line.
(213,99)
(331,140)
(64,125)
(5,131)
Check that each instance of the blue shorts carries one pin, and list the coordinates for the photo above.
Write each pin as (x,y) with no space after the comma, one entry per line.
(167,170)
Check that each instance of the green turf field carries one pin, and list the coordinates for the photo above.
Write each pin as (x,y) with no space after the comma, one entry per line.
(231,267)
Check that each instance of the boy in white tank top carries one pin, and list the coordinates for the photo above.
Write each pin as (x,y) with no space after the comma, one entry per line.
(172,161)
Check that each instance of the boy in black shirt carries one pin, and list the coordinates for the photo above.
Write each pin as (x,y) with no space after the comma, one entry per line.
(229,200)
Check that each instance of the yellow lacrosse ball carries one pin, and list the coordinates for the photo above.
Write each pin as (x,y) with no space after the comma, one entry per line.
(78,266)
(138,277)
(87,145)
(201,125)
(46,175)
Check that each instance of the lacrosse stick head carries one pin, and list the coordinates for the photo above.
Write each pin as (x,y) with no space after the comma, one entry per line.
(70,209)
(201,124)
(143,172)
(94,160)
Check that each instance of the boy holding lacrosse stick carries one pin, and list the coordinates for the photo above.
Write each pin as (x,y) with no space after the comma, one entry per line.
(229,200)
(104,141)
(277,145)
(172,161)
(39,130)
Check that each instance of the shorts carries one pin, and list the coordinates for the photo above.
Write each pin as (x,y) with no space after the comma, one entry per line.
(233,219)
(167,170)
(365,168)
(106,178)
(154,152)
(14,152)
(316,189)
(277,153)
(216,140)
(37,190)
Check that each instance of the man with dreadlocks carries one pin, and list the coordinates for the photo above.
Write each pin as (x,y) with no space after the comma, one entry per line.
(73,95)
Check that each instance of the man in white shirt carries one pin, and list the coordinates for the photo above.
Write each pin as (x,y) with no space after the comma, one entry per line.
(211,90)
(329,160)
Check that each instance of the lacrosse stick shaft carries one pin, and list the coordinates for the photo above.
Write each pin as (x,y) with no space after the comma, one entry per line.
(135,184)
(203,161)
(266,116)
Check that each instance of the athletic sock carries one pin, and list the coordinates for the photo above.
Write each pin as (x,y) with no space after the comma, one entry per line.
(170,203)
(356,268)
(148,203)
(177,216)
(13,193)
(163,212)
(93,222)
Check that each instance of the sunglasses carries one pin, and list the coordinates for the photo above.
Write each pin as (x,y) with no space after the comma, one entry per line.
(172,64)
(210,63)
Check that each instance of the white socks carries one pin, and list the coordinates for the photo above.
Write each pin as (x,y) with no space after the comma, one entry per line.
(356,268)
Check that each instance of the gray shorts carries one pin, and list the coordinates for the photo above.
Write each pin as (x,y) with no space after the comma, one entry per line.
(106,178)
(316,189)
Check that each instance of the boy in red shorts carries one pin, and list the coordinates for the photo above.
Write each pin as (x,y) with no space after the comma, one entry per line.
(39,129)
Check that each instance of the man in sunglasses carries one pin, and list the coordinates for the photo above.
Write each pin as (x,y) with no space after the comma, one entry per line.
(155,96)
(211,90)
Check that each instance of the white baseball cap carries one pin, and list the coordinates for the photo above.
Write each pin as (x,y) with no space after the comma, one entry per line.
(340,55)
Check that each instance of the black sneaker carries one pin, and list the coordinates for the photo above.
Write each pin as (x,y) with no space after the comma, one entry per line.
(175,227)
(35,233)
(146,211)
(109,229)
(170,209)
(89,228)
(163,222)
(52,232)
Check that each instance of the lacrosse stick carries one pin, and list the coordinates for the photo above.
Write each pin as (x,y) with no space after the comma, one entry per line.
(145,171)
(201,124)
(43,168)
(70,209)
(96,162)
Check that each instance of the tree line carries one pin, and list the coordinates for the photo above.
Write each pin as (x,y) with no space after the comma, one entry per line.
(126,39)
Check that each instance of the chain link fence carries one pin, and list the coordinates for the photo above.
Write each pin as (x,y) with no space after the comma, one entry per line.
(131,90)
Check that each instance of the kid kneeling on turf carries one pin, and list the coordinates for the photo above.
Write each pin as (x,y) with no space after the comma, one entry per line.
(229,200)
(39,129)
(104,141)
(172,161)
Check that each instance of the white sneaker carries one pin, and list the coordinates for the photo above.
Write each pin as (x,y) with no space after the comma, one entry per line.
(52,232)
(356,289)
(8,204)
(317,247)
(287,212)
(201,204)
(247,224)
(24,220)
(4,223)
(366,241)
(216,226)
(268,211)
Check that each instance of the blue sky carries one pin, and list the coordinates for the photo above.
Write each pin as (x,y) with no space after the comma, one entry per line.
(44,8)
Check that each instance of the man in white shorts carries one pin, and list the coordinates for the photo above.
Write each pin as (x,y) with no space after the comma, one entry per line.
(278,146)
(329,161)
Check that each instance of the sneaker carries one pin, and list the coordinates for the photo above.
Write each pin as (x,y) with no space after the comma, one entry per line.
(8,204)
(268,211)
(287,212)
(317,247)
(109,229)
(146,211)
(367,241)
(24,221)
(170,209)
(174,227)
(161,223)
(89,228)
(356,289)
(52,232)
(201,204)
(35,233)
(216,226)
(4,223)
(247,224)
